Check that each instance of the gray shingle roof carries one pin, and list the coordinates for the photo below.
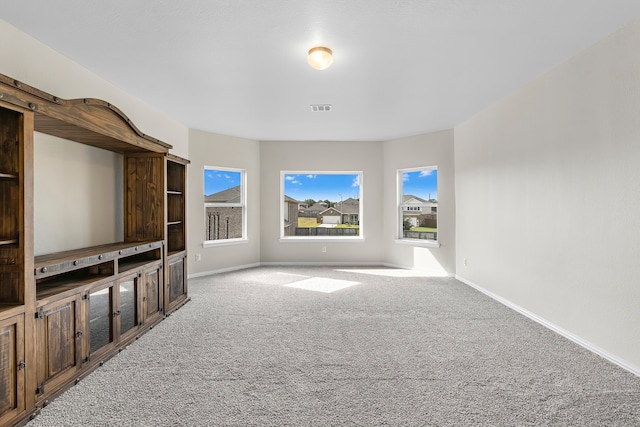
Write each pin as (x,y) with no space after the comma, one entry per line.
(230,195)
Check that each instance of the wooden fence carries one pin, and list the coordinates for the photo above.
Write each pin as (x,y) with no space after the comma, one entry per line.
(422,235)
(323,231)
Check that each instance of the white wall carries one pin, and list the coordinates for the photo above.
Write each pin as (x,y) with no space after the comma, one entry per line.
(277,156)
(433,149)
(29,61)
(76,166)
(547,204)
(208,149)
(69,176)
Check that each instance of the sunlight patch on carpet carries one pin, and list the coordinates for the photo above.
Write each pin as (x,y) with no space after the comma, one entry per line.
(392,272)
(278,278)
(321,284)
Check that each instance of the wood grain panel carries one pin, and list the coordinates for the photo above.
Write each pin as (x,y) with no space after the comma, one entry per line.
(9,141)
(11,287)
(8,372)
(144,198)
(9,211)
(12,368)
(153,300)
(176,279)
(90,121)
(60,329)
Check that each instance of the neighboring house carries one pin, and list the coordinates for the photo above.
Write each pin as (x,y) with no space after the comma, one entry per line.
(223,222)
(419,212)
(330,216)
(313,211)
(291,207)
(350,209)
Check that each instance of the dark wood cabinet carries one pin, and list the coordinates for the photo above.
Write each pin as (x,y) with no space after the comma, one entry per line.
(59,337)
(16,146)
(176,292)
(16,262)
(152,299)
(12,368)
(62,314)
(143,197)
(176,284)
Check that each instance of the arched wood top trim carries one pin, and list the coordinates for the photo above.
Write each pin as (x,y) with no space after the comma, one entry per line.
(88,120)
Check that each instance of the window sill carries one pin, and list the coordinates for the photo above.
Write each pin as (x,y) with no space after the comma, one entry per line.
(322,239)
(224,242)
(420,243)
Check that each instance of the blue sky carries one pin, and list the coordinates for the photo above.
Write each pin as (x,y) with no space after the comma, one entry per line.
(322,186)
(218,180)
(318,186)
(423,184)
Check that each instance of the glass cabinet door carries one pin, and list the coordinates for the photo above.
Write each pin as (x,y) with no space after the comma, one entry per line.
(128,303)
(100,318)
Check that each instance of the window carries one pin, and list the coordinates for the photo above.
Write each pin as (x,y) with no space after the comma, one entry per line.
(321,205)
(224,204)
(418,204)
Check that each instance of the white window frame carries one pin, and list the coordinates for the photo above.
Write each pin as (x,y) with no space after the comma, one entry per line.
(400,217)
(242,205)
(288,239)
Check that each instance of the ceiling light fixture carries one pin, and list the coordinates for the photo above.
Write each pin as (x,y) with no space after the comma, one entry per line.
(320,57)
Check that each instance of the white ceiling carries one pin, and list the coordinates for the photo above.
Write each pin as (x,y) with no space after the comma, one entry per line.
(238,67)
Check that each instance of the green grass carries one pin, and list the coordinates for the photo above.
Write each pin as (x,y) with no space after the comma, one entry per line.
(425,229)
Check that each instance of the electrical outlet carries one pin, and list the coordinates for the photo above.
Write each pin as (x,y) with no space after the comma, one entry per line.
(324,249)
(464,261)
(198,257)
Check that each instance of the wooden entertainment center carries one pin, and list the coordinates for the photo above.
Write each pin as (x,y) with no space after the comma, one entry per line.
(63,314)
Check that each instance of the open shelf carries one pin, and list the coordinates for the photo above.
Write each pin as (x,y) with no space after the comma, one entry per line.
(133,262)
(75,279)
(5,308)
(56,263)
(8,176)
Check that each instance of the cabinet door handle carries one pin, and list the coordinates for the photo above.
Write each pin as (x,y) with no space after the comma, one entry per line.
(78,334)
(21,365)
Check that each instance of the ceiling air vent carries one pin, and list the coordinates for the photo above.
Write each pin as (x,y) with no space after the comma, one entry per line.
(321,108)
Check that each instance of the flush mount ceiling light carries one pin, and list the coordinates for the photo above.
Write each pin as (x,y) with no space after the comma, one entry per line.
(320,57)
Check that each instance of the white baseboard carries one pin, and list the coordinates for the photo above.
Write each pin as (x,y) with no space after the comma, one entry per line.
(433,273)
(593,348)
(301,264)
(223,270)
(321,263)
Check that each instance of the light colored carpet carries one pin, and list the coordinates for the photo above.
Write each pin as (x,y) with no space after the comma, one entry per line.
(320,346)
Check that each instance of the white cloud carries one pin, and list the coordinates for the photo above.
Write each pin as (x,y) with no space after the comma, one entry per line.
(311,176)
(356,181)
(405,177)
(290,177)
(426,173)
